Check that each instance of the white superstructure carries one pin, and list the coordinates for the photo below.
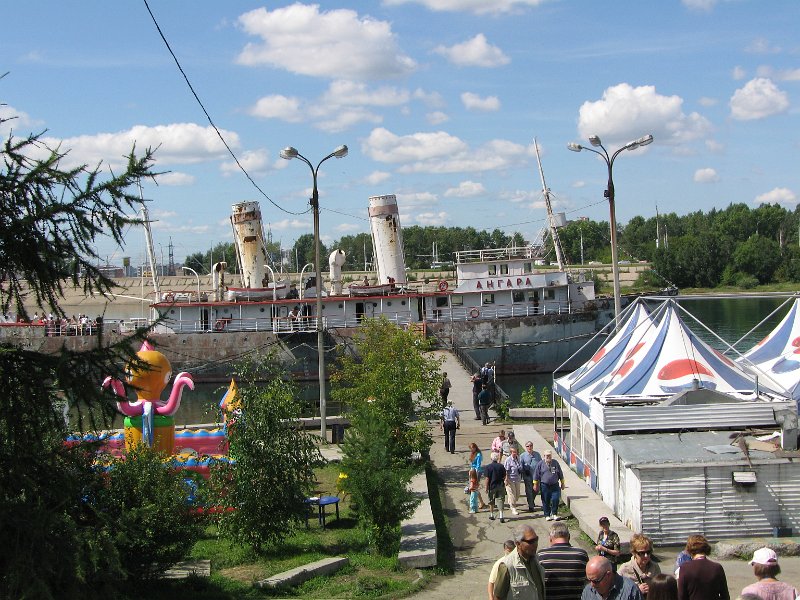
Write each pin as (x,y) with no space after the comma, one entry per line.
(249,239)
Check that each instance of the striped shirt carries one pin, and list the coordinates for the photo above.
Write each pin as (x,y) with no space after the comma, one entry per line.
(564,571)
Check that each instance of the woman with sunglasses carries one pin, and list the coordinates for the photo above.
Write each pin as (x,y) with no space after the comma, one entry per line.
(640,568)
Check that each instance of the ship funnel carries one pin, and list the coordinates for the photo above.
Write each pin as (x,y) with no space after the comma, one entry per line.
(335,262)
(248,235)
(387,239)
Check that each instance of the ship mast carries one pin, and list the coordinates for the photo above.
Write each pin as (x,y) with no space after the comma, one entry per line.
(148,236)
(550,218)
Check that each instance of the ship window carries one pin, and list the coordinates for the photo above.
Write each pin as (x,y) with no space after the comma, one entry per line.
(549,294)
(492,269)
(389,303)
(403,303)
(503,269)
(488,298)
(456,300)
(517,296)
(341,305)
(261,309)
(527,267)
(441,301)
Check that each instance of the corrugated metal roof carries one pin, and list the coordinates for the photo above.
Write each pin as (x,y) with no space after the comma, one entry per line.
(662,417)
(657,450)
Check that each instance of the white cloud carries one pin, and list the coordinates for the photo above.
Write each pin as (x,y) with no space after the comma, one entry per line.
(626,113)
(178,143)
(474,102)
(437,118)
(778,74)
(714,146)
(347,93)
(706,175)
(474,6)
(348,227)
(440,152)
(376,177)
(706,101)
(699,5)
(277,106)
(20,122)
(430,219)
(476,52)
(465,189)
(301,39)
(759,98)
(762,46)
(738,73)
(408,199)
(255,162)
(334,122)
(780,195)
(432,99)
(175,178)
(286,224)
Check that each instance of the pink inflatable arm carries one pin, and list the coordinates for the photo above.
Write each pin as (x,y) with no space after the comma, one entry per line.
(174,402)
(123,406)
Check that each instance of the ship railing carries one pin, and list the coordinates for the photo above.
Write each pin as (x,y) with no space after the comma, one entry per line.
(279,325)
(467,256)
(488,312)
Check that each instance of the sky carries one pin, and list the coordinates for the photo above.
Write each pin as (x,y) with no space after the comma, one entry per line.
(438,101)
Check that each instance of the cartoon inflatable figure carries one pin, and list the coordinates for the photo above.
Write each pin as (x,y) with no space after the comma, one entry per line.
(148,420)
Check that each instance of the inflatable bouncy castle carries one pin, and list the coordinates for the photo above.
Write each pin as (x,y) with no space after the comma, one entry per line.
(148,419)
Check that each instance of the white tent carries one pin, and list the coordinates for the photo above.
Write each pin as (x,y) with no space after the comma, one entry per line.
(778,355)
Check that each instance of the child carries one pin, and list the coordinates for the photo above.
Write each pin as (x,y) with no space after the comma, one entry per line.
(473,491)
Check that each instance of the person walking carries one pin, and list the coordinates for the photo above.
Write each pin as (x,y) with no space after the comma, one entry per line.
(513,478)
(477,386)
(529,459)
(508,546)
(444,389)
(663,587)
(701,578)
(604,584)
(484,402)
(476,462)
(608,544)
(509,443)
(519,574)
(495,486)
(448,424)
(474,491)
(550,478)
(640,568)
(564,565)
(766,569)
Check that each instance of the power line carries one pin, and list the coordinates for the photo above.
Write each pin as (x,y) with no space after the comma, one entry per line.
(211,121)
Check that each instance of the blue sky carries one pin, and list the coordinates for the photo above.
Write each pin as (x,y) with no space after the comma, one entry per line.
(437,100)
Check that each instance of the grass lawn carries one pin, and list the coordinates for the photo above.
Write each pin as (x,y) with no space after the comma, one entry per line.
(234,568)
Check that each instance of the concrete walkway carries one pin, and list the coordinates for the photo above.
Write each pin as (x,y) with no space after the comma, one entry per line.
(478,541)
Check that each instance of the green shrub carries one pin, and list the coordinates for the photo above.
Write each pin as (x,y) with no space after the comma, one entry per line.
(145,503)
(274,457)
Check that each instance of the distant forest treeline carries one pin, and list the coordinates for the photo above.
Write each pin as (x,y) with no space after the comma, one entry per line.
(739,246)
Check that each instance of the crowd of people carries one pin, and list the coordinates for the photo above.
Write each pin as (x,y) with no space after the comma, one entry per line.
(58,326)
(565,572)
(513,478)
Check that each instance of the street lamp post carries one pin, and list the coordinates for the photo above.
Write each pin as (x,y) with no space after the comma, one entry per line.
(289,153)
(609,193)
(301,277)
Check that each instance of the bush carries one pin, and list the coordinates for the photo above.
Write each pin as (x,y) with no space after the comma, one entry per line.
(275,459)
(145,502)
(377,481)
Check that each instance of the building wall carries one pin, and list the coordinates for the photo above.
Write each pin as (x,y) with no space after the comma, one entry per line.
(675,502)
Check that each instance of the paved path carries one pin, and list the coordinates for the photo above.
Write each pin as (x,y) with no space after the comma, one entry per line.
(478,541)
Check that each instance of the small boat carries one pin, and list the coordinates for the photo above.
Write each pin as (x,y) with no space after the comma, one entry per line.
(277,290)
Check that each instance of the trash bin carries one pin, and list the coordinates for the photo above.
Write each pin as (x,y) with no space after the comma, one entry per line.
(337,434)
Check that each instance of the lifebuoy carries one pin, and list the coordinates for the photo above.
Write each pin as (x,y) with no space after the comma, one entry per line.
(169,297)
(474,313)
(219,325)
(443,285)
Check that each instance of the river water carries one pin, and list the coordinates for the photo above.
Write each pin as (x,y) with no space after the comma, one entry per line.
(729,318)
